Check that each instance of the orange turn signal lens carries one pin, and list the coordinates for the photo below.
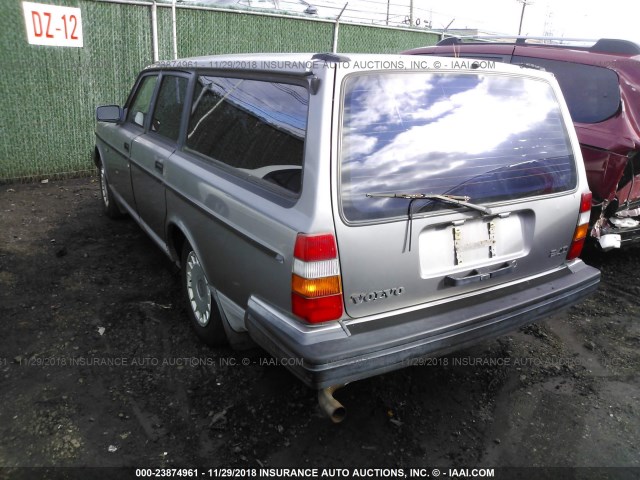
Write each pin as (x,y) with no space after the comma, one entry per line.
(581,232)
(316,287)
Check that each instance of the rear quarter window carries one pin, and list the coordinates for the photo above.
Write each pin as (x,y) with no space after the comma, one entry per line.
(257,128)
(486,136)
(592,93)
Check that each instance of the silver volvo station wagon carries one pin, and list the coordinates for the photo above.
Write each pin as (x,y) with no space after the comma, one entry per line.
(350,213)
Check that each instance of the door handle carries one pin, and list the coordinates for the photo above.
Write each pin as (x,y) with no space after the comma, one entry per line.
(480,274)
(159,166)
(126,147)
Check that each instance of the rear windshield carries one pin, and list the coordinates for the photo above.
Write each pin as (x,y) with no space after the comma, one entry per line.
(592,93)
(489,137)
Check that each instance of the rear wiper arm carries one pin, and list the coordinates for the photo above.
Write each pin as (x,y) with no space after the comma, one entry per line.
(461,201)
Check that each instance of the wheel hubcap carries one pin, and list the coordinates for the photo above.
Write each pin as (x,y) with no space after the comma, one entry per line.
(198,290)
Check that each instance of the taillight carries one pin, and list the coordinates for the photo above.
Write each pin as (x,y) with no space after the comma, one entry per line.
(316,287)
(580,233)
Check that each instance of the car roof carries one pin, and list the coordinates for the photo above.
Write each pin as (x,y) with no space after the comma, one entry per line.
(601,52)
(603,45)
(625,64)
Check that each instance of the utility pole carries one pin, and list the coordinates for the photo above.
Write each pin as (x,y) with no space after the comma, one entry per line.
(524,4)
(335,29)
(388,4)
(548,24)
(411,13)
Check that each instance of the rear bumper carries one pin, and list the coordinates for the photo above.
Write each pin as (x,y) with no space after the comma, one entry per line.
(342,353)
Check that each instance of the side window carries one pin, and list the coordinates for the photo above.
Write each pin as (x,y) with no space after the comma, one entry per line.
(168,111)
(140,106)
(256,127)
(592,93)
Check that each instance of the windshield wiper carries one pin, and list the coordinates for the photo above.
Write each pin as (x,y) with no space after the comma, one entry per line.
(459,200)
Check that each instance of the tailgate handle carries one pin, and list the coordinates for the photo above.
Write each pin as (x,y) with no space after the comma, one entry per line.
(480,274)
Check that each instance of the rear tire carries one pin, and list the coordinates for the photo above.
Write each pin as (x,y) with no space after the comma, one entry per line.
(109,204)
(201,308)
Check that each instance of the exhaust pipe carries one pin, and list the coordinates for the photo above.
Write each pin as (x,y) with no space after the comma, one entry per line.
(330,406)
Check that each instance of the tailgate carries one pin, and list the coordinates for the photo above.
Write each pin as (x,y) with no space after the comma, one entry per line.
(499,142)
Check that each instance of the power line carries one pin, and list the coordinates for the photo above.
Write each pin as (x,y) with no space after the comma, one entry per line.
(381,12)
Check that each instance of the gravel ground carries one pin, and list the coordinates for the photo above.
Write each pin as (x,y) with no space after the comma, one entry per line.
(99,368)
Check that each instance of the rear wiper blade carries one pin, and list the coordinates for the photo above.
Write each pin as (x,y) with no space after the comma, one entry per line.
(459,200)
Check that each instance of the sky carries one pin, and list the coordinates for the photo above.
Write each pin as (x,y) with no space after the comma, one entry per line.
(562,18)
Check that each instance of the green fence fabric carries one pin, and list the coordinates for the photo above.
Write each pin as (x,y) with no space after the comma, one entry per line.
(369,39)
(50,93)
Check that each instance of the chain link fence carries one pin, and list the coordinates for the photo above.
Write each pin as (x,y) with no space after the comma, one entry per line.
(50,93)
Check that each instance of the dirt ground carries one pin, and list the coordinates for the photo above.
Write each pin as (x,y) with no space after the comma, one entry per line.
(99,368)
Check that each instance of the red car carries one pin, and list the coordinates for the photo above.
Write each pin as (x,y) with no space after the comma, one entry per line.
(601,85)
